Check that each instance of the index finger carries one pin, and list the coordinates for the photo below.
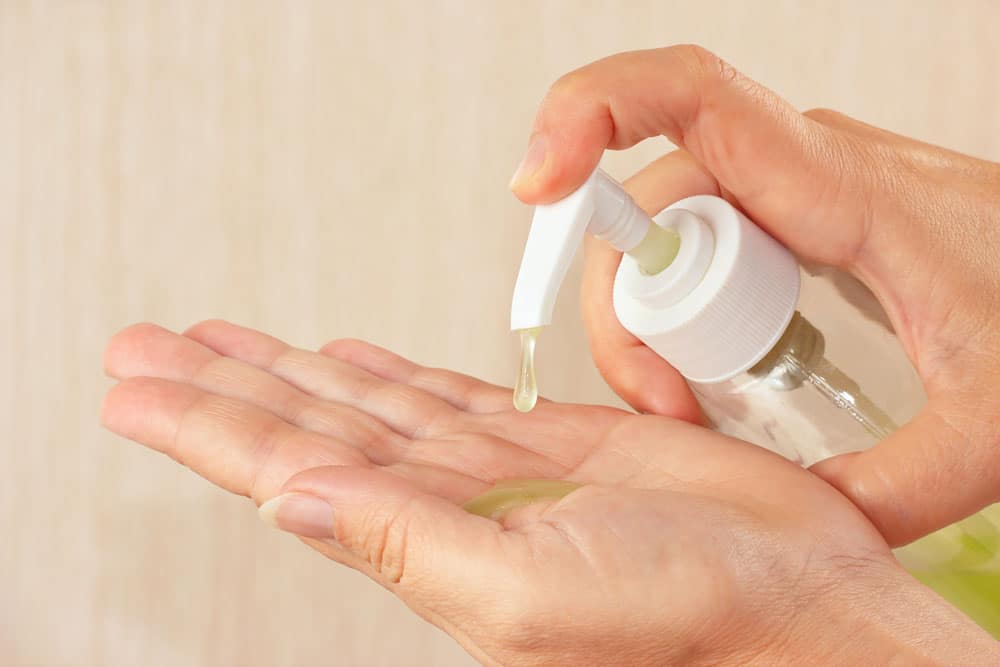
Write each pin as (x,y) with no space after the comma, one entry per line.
(781,166)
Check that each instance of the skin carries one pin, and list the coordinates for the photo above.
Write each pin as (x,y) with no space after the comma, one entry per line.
(682,546)
(918,224)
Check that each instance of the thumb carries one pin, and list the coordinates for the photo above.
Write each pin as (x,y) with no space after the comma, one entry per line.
(906,484)
(419,545)
(784,169)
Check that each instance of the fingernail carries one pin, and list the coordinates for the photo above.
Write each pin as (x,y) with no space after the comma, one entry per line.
(533,161)
(299,513)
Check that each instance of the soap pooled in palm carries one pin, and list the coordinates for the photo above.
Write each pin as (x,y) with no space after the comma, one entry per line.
(509,494)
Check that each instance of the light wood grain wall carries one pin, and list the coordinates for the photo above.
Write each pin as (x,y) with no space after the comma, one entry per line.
(317,170)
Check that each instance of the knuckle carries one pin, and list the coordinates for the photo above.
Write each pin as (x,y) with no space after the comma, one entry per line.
(829,117)
(269,441)
(386,543)
(424,377)
(138,332)
(848,175)
(706,63)
(205,327)
(571,84)
(123,345)
(340,347)
(401,397)
(439,421)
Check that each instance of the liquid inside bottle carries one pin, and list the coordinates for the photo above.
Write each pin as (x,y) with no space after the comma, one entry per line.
(657,250)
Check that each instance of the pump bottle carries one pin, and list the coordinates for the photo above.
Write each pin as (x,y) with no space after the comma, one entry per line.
(801,361)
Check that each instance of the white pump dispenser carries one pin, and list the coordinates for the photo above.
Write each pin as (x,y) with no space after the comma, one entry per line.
(601,207)
(713,309)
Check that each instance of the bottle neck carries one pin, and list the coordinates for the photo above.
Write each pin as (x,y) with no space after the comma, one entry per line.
(798,358)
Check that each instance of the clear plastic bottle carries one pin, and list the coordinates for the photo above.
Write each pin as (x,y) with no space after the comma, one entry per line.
(839,381)
(801,362)
(836,381)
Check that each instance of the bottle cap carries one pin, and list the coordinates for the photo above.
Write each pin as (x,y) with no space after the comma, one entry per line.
(725,300)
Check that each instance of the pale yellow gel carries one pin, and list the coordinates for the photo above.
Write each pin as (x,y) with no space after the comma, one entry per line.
(526,390)
(508,494)
(657,250)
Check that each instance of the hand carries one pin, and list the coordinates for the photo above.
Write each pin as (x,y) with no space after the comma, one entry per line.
(918,224)
(683,546)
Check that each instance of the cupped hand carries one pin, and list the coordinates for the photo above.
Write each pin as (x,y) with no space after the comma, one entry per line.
(918,224)
(681,547)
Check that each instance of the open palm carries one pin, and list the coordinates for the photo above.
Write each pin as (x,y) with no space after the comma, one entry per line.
(681,528)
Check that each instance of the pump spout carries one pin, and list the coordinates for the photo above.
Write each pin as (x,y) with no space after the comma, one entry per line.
(556,232)
(600,206)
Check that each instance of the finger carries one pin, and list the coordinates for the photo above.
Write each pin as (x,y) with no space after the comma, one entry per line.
(152,351)
(503,448)
(242,448)
(796,177)
(407,410)
(450,484)
(437,434)
(461,391)
(636,373)
(415,543)
(924,459)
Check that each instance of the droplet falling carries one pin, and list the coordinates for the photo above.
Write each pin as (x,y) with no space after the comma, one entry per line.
(526,389)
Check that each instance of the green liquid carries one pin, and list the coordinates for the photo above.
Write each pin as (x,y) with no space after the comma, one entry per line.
(526,389)
(657,250)
(977,594)
(508,494)
(961,563)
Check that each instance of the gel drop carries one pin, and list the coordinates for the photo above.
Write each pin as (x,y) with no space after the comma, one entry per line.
(526,389)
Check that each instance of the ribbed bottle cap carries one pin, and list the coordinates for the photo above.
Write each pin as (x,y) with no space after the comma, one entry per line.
(724,301)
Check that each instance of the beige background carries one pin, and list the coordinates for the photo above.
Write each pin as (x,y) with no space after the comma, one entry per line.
(316,170)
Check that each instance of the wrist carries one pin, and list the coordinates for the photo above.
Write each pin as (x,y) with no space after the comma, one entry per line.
(874,612)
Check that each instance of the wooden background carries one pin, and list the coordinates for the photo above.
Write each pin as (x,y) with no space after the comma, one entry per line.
(317,170)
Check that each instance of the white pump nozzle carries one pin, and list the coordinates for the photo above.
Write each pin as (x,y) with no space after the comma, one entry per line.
(600,206)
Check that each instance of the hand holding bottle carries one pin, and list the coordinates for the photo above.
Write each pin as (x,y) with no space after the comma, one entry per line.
(918,224)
